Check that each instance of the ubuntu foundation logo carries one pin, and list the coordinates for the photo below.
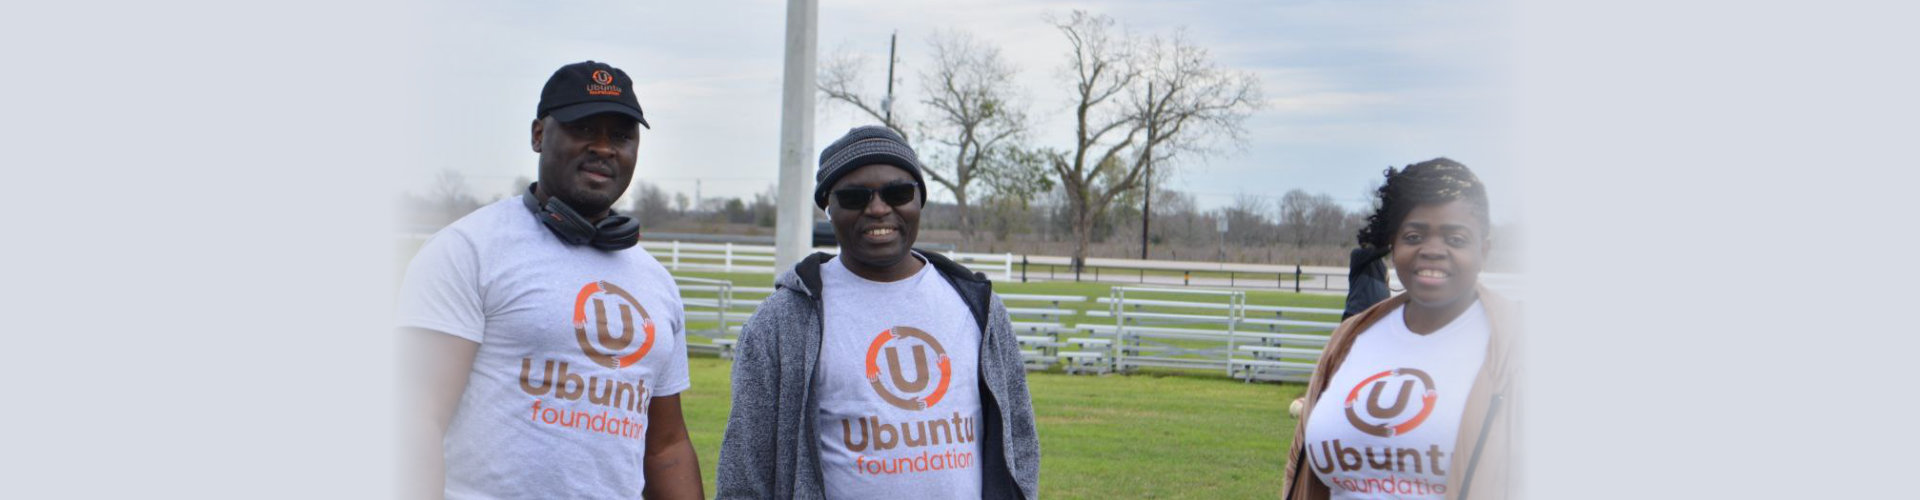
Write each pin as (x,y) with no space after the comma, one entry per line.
(891,340)
(603,84)
(608,349)
(1395,419)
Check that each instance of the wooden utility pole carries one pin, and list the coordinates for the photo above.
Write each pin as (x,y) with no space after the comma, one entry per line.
(1146,210)
(887,104)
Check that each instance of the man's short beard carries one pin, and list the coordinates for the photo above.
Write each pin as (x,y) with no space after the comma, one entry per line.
(586,203)
(879,262)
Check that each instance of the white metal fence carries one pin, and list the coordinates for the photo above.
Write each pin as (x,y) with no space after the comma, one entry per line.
(1167,328)
(737,258)
(1007,267)
(1139,328)
(720,257)
(1210,330)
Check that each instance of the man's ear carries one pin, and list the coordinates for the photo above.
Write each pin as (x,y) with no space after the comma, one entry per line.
(539,130)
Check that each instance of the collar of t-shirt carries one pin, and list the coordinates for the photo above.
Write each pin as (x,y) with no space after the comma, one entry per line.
(837,268)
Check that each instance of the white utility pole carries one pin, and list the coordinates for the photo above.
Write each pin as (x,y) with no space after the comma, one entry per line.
(793,228)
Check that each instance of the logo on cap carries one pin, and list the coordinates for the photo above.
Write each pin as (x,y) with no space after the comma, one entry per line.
(603,84)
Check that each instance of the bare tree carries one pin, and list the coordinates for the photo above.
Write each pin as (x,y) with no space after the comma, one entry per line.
(450,194)
(839,80)
(1312,218)
(1295,208)
(763,208)
(1189,105)
(1138,104)
(970,108)
(1247,219)
(1326,220)
(651,205)
(736,211)
(973,122)
(1011,189)
(1101,67)
(1177,219)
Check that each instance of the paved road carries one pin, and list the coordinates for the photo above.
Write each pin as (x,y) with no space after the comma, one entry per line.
(1325,282)
(1264,281)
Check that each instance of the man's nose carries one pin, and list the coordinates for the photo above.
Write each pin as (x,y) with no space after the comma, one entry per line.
(877,207)
(601,143)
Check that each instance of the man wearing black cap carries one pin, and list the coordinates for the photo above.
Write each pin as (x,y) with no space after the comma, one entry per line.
(546,352)
(884,372)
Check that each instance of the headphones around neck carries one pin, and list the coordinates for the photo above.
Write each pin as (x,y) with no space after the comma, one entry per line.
(616,232)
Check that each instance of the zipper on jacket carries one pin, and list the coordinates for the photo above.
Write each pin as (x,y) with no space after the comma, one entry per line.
(813,406)
(1473,461)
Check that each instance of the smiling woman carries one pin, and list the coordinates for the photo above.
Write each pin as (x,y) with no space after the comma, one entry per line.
(1432,364)
(1433,219)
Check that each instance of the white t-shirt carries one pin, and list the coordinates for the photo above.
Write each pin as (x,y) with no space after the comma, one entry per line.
(574,344)
(898,388)
(1385,426)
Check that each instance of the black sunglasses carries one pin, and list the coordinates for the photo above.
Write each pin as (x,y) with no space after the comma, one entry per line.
(857,198)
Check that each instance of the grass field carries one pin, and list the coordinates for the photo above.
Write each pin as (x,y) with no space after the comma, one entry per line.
(1162,435)
(1114,436)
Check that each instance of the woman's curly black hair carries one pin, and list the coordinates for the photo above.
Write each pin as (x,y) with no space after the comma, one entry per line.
(1434,181)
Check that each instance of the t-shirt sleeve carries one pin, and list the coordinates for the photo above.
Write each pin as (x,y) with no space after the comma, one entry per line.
(674,378)
(441,290)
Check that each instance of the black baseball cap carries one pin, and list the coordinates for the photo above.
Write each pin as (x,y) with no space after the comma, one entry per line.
(589,88)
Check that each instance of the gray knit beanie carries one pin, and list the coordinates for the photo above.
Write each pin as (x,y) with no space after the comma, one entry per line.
(862,146)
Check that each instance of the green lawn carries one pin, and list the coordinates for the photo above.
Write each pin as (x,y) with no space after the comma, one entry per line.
(1113,436)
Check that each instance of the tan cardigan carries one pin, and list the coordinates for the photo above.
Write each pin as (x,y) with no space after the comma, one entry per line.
(1488,415)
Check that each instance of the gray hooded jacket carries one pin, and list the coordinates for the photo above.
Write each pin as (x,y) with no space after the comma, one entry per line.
(771,450)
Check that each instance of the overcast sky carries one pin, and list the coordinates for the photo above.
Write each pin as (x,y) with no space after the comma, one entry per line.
(1351,86)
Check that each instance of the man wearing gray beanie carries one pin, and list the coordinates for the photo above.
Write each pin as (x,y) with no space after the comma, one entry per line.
(862,146)
(883,372)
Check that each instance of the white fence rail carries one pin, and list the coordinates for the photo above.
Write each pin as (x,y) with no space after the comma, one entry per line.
(737,258)
(1007,267)
(1151,328)
(722,257)
(1173,327)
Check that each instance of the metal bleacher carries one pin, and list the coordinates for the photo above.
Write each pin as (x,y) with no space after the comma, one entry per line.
(1039,323)
(1132,329)
(715,310)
